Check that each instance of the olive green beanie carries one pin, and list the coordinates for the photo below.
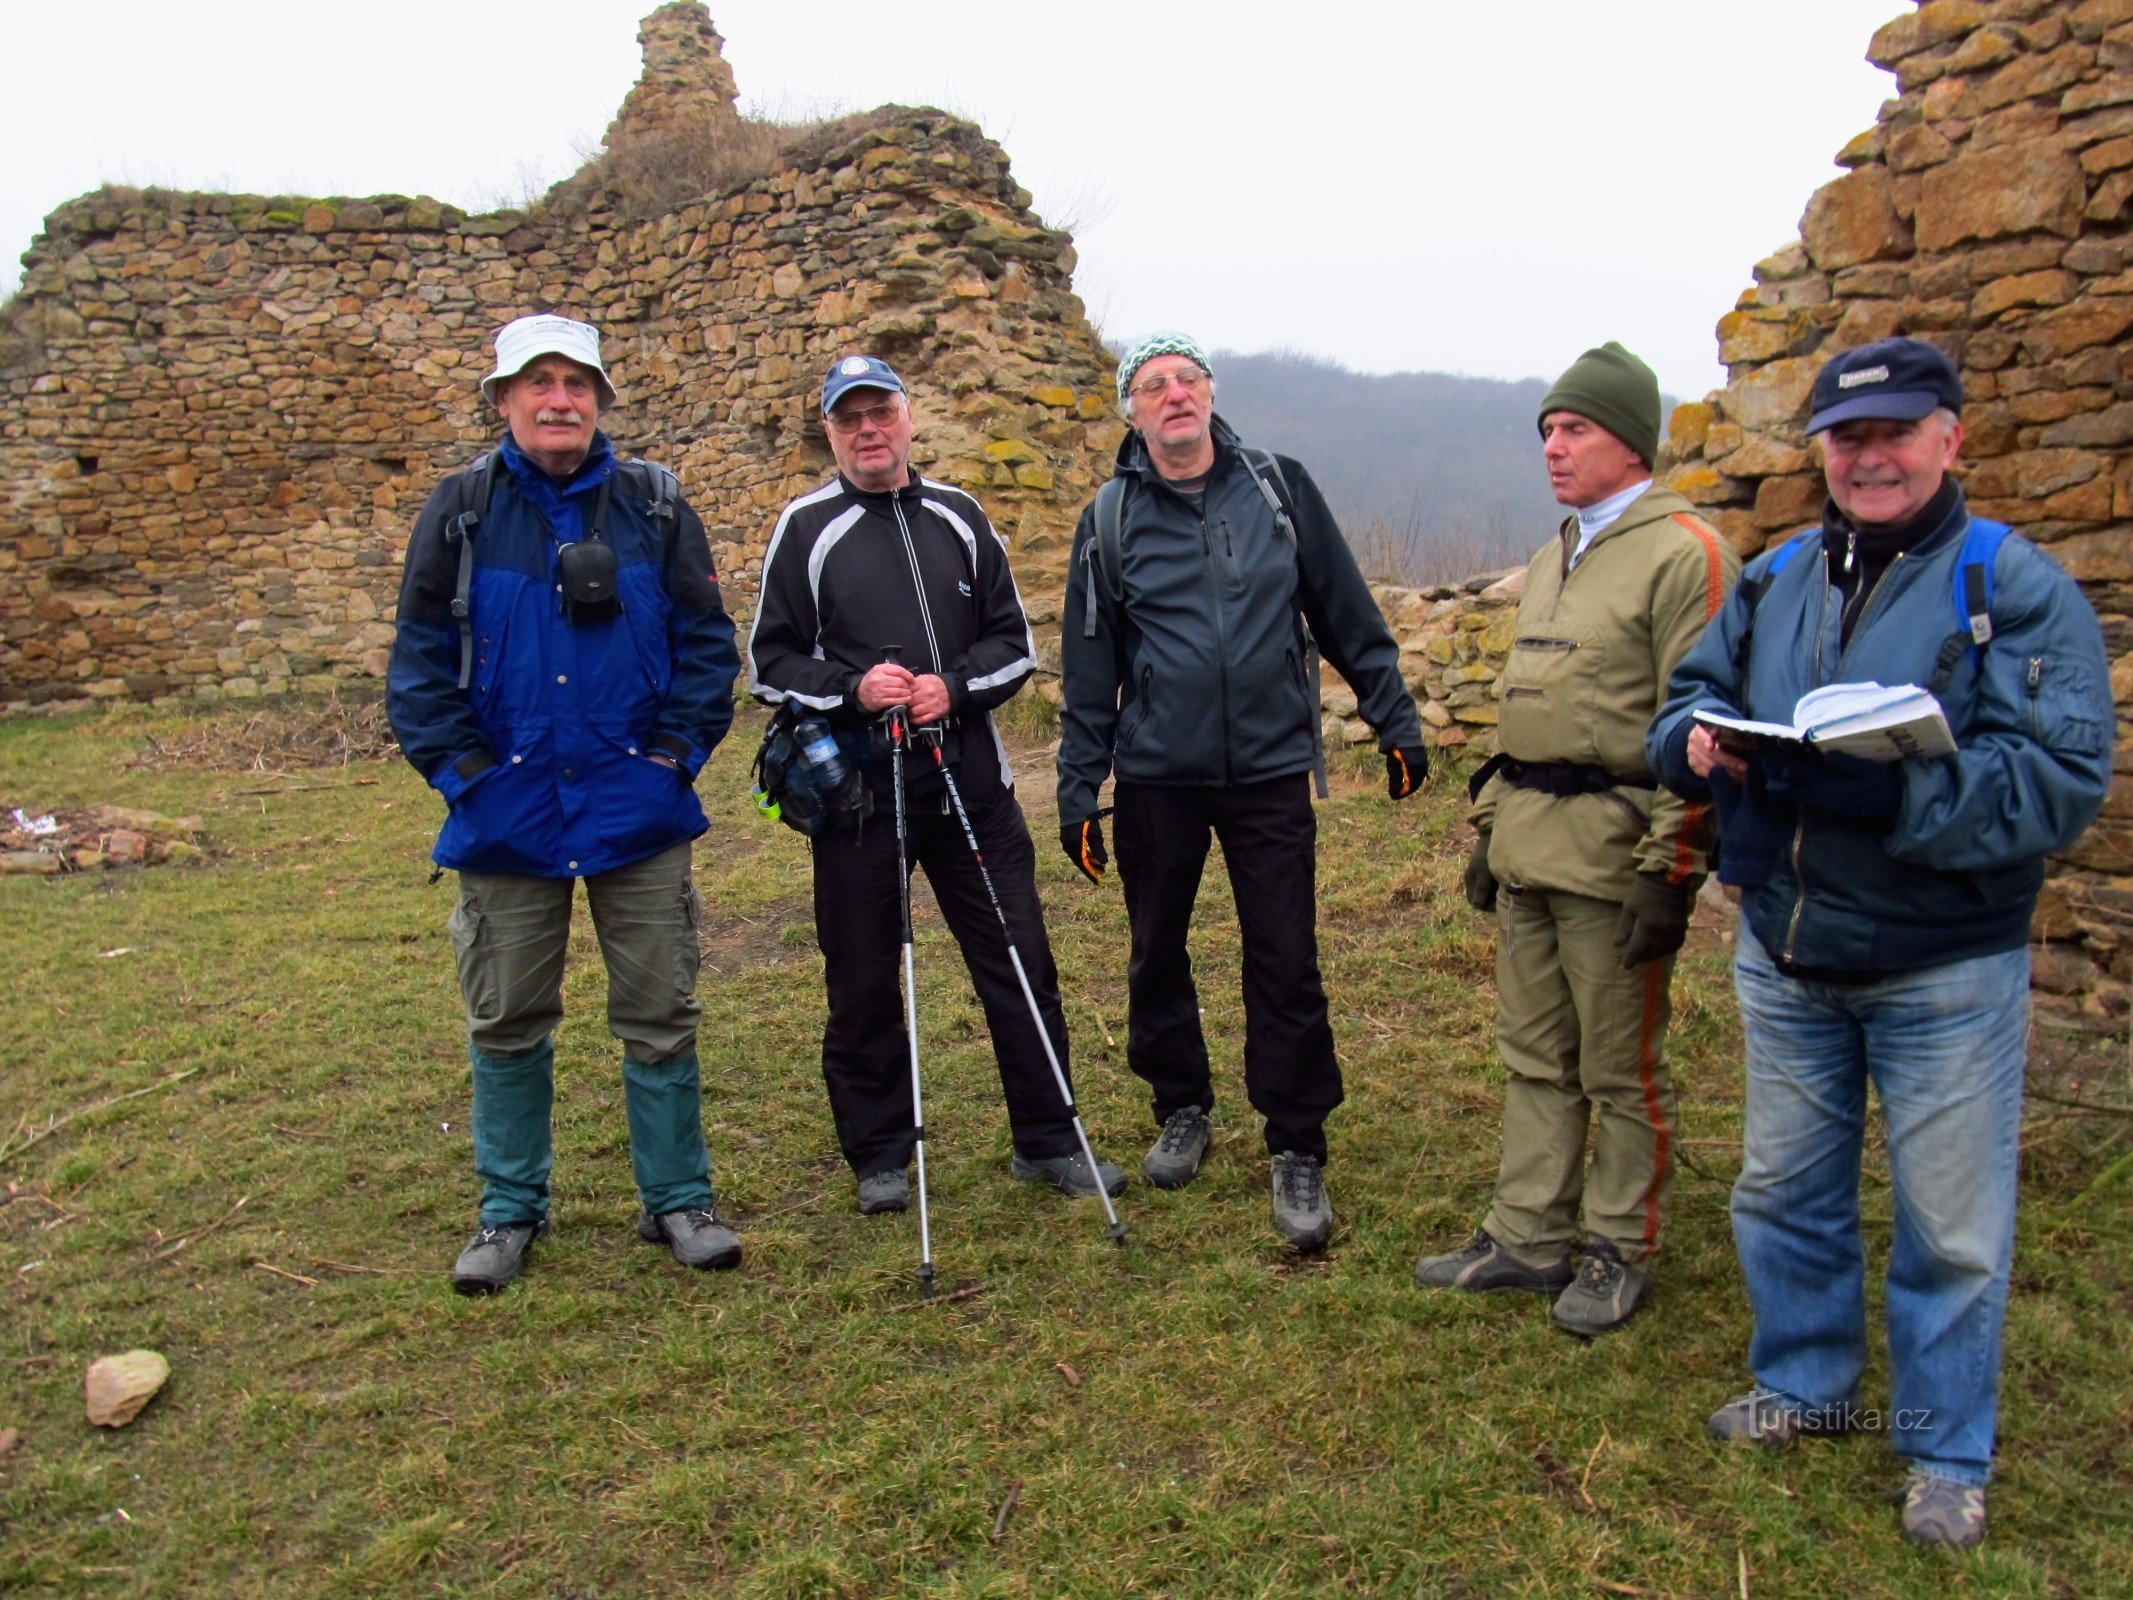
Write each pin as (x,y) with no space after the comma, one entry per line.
(1616,390)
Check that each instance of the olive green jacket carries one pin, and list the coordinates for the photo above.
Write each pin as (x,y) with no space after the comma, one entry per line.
(1588,669)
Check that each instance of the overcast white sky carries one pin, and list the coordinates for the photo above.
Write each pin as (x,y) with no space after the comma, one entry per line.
(1484,188)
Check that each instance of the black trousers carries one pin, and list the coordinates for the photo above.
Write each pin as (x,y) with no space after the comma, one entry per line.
(1269,843)
(866,1062)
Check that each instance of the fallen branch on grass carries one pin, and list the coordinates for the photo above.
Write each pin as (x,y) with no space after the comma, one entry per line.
(54,1124)
(1007,1509)
(293,1277)
(170,1250)
(299,788)
(942,1299)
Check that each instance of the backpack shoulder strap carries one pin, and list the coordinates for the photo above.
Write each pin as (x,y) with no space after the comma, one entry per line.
(1752,589)
(1103,550)
(1972,599)
(1263,466)
(1973,579)
(477,486)
(654,483)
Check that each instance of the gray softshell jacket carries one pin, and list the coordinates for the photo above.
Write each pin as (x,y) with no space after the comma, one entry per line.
(1197,675)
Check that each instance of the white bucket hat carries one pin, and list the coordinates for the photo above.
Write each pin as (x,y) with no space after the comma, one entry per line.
(518,342)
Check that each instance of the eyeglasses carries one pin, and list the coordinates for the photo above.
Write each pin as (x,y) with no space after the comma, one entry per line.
(1192,380)
(852,421)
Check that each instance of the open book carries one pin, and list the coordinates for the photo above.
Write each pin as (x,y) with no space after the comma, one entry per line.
(1856,719)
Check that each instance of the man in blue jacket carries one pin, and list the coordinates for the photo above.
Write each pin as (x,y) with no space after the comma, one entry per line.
(1186,671)
(1885,912)
(562,667)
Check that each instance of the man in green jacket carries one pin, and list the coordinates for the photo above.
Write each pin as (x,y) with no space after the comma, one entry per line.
(1590,868)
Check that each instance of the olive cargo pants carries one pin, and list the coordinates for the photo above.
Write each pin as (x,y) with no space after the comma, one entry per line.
(1584,1043)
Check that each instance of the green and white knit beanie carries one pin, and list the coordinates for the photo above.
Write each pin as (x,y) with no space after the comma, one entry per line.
(1164,342)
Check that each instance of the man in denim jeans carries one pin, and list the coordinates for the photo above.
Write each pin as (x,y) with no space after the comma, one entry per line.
(1885,914)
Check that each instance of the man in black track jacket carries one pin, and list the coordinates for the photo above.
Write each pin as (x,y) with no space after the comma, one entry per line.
(883,589)
(1186,672)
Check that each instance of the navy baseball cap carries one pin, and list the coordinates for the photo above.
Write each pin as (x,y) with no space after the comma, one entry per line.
(1899,379)
(858,372)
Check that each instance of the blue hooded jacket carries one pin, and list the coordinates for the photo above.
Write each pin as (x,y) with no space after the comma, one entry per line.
(546,758)
(1957,873)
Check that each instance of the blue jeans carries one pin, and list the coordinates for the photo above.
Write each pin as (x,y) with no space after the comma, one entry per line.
(1944,1050)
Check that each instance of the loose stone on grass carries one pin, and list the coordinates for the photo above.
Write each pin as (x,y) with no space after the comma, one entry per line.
(115,1388)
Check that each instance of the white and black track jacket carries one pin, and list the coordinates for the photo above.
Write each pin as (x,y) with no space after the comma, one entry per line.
(850,573)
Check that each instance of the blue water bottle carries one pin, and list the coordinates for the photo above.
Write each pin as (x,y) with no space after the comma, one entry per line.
(823,755)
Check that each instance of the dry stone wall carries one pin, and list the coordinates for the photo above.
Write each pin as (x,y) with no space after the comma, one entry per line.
(223,411)
(1987,212)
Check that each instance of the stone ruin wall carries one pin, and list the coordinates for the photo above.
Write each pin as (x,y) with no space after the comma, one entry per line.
(1986,212)
(224,411)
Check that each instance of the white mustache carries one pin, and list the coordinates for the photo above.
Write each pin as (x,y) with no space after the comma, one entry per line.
(570,417)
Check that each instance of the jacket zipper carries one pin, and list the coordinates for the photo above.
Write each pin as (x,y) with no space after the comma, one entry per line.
(918,582)
(1214,585)
(1799,826)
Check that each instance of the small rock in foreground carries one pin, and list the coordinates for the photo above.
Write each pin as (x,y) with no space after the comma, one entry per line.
(115,1388)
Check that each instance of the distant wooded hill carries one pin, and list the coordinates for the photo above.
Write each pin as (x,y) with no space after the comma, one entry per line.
(1433,476)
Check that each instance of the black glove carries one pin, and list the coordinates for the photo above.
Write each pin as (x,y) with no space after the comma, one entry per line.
(1405,768)
(1867,794)
(1654,920)
(1083,843)
(1480,881)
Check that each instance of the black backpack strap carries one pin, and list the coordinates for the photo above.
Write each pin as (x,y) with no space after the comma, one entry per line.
(476,486)
(657,486)
(1263,465)
(1102,551)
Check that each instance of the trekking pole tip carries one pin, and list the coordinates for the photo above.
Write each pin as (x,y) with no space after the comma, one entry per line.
(1117,1234)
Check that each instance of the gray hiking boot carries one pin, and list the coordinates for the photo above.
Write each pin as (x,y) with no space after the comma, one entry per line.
(1770,1419)
(1174,1159)
(1941,1513)
(1605,1295)
(494,1256)
(1482,1263)
(1303,1215)
(695,1235)
(884,1191)
(1068,1174)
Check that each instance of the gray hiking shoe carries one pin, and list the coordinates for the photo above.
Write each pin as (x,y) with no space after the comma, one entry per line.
(1770,1419)
(1303,1215)
(695,1235)
(884,1191)
(1941,1513)
(1174,1159)
(1482,1263)
(1605,1294)
(494,1256)
(1068,1174)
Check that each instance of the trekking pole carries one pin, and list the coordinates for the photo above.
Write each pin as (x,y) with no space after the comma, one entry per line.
(899,732)
(1117,1232)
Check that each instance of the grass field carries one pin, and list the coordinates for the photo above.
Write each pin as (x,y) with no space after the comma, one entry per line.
(1198,1414)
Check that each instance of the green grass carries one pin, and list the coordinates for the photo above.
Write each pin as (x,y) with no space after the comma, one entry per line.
(1243,1423)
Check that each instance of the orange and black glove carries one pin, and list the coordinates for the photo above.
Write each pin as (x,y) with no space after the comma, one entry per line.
(1405,769)
(1083,843)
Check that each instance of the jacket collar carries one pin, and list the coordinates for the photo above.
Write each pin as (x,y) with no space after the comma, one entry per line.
(1939,521)
(883,498)
(1134,461)
(598,463)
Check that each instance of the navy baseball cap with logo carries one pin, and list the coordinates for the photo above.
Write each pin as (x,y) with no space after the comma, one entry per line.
(858,372)
(1897,379)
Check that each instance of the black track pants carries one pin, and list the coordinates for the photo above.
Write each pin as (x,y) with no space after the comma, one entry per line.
(1269,843)
(865,1061)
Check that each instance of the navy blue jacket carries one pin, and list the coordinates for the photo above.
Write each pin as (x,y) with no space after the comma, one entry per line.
(1957,874)
(545,760)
